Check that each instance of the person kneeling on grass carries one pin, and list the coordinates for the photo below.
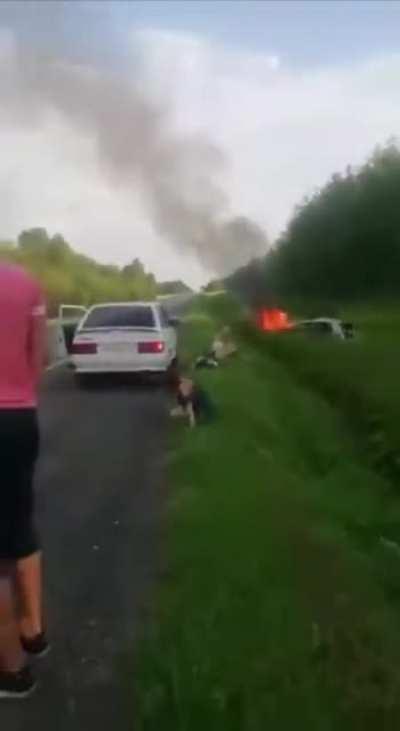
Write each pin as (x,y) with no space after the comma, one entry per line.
(193,402)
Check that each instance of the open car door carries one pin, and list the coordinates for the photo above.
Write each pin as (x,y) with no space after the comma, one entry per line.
(69,317)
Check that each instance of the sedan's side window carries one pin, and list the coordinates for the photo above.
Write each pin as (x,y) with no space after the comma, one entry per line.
(164,319)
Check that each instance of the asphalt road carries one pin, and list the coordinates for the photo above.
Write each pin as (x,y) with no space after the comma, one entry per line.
(100,489)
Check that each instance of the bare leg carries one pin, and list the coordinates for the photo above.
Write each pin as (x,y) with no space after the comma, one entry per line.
(12,658)
(28,585)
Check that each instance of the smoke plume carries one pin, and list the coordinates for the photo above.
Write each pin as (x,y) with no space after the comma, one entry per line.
(137,147)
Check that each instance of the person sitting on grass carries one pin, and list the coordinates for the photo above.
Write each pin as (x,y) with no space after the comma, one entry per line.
(223,345)
(222,348)
(193,402)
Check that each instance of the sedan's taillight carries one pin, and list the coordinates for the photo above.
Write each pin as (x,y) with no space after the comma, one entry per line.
(84,348)
(152,346)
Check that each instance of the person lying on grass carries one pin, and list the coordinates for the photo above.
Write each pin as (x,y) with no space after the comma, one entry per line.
(193,402)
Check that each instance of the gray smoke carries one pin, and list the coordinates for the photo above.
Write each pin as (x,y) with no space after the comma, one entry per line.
(137,148)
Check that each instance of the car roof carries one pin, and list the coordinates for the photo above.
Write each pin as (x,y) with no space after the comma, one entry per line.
(329,320)
(124,304)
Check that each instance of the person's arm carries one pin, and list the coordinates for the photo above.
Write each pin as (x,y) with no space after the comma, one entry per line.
(38,340)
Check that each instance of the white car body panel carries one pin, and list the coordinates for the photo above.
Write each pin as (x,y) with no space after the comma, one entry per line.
(332,325)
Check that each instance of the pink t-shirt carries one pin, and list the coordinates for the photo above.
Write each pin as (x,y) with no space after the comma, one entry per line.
(21,301)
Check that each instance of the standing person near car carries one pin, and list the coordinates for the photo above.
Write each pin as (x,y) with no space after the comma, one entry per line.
(22,357)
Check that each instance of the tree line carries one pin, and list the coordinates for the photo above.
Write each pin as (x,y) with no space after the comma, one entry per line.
(175,286)
(72,278)
(342,243)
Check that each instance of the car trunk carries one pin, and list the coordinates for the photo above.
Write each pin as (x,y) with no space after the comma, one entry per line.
(130,347)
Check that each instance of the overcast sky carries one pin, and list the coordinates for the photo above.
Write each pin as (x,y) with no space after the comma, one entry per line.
(290,92)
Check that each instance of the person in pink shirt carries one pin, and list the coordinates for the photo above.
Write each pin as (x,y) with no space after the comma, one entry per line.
(22,359)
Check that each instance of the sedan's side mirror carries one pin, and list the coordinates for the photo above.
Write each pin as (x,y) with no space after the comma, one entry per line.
(174,321)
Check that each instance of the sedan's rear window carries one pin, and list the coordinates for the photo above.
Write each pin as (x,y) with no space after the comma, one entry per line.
(120,316)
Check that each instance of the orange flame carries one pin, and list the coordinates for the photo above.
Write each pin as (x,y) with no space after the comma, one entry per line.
(273,320)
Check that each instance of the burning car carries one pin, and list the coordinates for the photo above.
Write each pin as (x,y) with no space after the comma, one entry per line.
(326,326)
(278,321)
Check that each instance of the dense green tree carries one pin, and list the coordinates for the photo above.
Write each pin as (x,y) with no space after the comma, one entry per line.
(69,277)
(173,287)
(214,286)
(341,244)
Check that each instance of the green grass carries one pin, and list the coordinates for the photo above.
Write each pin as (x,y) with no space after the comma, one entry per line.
(359,377)
(281,607)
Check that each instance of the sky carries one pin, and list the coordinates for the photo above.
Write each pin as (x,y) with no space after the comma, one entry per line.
(284,93)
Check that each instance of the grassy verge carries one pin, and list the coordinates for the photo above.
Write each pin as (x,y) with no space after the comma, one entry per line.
(281,606)
(359,377)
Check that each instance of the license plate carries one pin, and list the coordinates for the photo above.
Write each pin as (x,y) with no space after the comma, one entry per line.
(117,348)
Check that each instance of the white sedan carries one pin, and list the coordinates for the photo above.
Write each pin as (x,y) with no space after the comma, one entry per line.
(126,337)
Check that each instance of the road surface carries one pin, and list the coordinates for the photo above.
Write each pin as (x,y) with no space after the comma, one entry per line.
(100,488)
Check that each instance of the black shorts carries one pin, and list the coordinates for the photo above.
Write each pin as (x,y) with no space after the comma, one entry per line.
(19,449)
